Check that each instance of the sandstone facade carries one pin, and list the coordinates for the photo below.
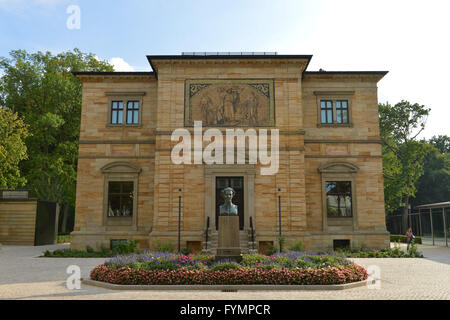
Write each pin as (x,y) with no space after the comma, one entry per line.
(310,153)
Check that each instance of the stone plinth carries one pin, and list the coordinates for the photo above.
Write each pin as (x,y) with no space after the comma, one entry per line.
(229,246)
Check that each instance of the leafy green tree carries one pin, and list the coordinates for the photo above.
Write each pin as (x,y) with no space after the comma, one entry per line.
(13,131)
(434,185)
(403,154)
(41,88)
(442,143)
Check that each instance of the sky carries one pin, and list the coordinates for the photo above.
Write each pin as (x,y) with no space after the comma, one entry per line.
(410,39)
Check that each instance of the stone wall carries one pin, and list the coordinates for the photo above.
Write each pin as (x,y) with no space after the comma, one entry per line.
(304,147)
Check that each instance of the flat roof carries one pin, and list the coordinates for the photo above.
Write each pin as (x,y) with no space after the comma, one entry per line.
(219,56)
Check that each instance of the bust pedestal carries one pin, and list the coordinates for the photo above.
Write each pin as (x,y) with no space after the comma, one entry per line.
(229,246)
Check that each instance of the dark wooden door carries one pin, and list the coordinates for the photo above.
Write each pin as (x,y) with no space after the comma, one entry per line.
(237,183)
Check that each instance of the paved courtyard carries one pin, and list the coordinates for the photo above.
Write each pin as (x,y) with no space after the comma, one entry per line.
(25,276)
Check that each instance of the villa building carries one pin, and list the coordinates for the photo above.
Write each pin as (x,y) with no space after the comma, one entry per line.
(326,188)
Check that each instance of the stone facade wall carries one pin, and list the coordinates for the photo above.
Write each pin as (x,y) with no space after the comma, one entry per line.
(304,147)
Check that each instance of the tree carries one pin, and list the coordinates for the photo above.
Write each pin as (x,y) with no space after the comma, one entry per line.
(12,148)
(403,155)
(434,185)
(442,143)
(42,89)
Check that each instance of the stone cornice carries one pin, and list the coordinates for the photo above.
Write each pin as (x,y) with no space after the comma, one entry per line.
(301,63)
(115,77)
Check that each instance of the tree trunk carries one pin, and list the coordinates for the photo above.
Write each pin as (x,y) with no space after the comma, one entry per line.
(405,214)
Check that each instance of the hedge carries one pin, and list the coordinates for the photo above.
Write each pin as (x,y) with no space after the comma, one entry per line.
(402,239)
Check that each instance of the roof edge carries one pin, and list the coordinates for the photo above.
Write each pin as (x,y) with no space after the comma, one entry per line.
(113,73)
(383,73)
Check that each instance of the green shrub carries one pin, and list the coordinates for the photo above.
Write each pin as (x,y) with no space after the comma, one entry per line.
(70,253)
(186,251)
(402,239)
(63,238)
(226,265)
(129,246)
(163,246)
(89,249)
(413,252)
(203,257)
(253,259)
(296,246)
(281,243)
(395,252)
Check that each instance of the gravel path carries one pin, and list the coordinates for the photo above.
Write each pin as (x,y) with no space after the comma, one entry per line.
(25,276)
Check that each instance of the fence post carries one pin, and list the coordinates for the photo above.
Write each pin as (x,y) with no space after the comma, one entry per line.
(445,227)
(431,222)
(420,223)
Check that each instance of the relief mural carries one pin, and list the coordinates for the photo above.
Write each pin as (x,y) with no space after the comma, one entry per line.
(229,103)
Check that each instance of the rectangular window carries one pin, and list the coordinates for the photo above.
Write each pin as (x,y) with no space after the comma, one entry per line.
(120,199)
(342,111)
(117,112)
(339,198)
(133,112)
(326,111)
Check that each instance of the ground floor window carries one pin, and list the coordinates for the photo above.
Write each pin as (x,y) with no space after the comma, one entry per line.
(339,198)
(120,198)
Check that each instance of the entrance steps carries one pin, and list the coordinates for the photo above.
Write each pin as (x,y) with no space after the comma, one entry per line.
(247,246)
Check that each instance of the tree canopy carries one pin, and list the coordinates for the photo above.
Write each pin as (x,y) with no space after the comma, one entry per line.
(41,88)
(13,131)
(403,154)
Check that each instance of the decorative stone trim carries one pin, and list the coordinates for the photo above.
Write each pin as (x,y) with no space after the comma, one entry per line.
(311,141)
(341,156)
(116,157)
(152,141)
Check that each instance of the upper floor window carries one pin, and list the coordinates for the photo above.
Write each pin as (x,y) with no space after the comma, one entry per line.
(125,108)
(334,108)
(342,111)
(117,112)
(326,111)
(133,112)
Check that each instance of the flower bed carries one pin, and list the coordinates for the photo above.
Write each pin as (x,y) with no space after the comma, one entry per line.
(294,268)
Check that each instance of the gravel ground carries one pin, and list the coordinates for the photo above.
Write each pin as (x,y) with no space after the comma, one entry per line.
(23,275)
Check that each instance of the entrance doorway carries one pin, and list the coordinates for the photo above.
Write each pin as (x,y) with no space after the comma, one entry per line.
(237,183)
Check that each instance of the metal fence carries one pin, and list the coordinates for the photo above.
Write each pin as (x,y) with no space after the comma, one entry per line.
(430,224)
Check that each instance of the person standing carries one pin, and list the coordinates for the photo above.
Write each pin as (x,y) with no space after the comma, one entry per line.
(409,236)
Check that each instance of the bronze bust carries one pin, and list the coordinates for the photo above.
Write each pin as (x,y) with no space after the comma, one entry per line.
(228,208)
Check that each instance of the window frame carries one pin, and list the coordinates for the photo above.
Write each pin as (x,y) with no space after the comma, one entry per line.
(125,97)
(334,96)
(120,172)
(339,171)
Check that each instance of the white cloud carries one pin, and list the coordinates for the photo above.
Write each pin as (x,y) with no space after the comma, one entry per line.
(120,64)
